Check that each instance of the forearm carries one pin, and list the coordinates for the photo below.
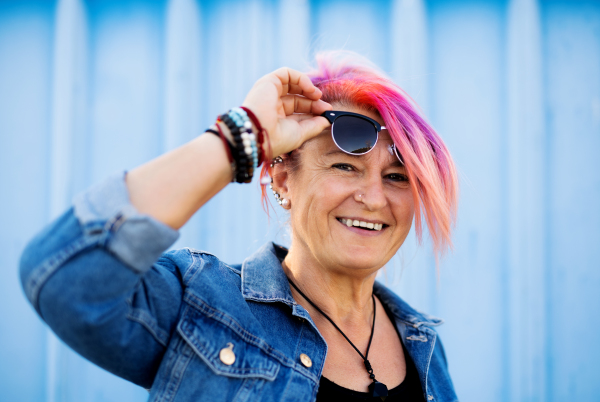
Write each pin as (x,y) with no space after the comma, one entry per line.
(172,187)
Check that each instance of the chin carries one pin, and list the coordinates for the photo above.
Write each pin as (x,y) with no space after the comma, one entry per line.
(360,257)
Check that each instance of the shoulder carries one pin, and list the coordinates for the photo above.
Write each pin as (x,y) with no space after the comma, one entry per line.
(402,311)
(187,262)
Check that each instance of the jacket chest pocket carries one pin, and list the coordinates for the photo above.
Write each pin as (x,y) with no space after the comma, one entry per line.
(218,360)
(227,351)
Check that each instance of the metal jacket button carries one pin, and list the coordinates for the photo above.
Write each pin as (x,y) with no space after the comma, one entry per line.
(226,355)
(305,360)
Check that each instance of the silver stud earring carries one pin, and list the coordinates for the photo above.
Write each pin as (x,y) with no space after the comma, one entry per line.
(276,160)
(284,202)
(281,201)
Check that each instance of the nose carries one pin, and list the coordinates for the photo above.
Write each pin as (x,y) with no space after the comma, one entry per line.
(372,193)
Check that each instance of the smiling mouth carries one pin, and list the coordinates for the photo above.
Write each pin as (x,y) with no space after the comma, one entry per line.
(362,224)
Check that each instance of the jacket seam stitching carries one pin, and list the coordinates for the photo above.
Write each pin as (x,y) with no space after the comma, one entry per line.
(420,323)
(434,336)
(185,361)
(239,272)
(199,252)
(188,275)
(298,367)
(146,320)
(268,300)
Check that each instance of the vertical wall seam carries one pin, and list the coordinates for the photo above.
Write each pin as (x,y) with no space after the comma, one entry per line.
(504,264)
(525,164)
(548,363)
(68,26)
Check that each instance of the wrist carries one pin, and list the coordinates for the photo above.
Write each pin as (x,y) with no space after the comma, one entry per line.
(225,130)
(262,135)
(245,140)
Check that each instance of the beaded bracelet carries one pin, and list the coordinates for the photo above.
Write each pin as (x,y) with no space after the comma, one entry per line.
(226,143)
(261,138)
(239,116)
(241,174)
(244,149)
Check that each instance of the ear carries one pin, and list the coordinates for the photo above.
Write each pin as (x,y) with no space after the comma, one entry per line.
(280,179)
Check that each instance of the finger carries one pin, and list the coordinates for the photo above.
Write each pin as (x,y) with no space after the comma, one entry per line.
(311,127)
(289,78)
(296,104)
(294,89)
(299,104)
(318,107)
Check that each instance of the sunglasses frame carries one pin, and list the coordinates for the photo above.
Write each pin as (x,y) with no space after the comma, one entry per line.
(332,115)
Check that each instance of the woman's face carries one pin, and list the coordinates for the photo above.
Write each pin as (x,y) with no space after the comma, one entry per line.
(331,187)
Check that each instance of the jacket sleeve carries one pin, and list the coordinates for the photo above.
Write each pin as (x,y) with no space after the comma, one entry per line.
(94,277)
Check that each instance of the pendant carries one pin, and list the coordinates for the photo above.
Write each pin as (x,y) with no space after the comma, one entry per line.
(378,390)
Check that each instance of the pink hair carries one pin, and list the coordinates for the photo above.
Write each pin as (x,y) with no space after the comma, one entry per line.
(346,78)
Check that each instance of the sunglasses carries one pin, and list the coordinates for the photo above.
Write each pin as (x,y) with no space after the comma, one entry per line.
(355,134)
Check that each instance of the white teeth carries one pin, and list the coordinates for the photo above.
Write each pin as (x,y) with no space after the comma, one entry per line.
(362,224)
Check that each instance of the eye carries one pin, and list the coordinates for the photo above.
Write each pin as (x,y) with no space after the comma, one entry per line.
(397,177)
(343,166)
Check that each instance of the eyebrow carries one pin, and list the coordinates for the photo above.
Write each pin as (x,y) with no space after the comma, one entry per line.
(396,163)
(335,152)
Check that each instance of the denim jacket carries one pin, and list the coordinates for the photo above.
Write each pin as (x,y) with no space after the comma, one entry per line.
(184,324)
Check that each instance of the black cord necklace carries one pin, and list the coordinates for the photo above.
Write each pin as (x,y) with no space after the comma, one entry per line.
(376,388)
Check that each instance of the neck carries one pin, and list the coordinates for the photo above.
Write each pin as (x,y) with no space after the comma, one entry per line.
(344,295)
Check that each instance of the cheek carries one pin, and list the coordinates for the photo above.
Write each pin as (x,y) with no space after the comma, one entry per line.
(305,198)
(404,210)
(320,194)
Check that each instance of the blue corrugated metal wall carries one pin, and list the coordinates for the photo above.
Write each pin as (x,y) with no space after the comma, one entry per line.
(87,88)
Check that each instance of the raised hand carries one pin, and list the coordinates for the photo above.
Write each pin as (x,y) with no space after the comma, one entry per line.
(288,106)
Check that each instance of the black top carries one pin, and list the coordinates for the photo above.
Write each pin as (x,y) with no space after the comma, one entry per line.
(408,391)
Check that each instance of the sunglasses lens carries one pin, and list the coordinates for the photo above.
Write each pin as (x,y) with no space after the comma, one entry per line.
(354,135)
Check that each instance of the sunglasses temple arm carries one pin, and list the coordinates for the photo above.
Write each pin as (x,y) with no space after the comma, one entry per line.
(329,118)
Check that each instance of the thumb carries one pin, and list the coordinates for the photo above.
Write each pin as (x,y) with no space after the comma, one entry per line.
(312,127)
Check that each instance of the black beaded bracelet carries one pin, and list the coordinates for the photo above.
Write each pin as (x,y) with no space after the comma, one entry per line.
(243,147)
(244,168)
(241,167)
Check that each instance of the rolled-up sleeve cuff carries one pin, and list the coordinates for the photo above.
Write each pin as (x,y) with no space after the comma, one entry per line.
(136,239)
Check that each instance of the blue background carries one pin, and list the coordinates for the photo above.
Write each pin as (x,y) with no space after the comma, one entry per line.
(91,87)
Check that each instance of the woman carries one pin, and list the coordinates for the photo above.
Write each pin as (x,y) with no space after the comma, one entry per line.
(286,325)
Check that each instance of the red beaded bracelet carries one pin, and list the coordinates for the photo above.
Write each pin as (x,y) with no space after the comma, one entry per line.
(261,137)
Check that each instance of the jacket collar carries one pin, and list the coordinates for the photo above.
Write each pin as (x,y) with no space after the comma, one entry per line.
(263,280)
(402,310)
